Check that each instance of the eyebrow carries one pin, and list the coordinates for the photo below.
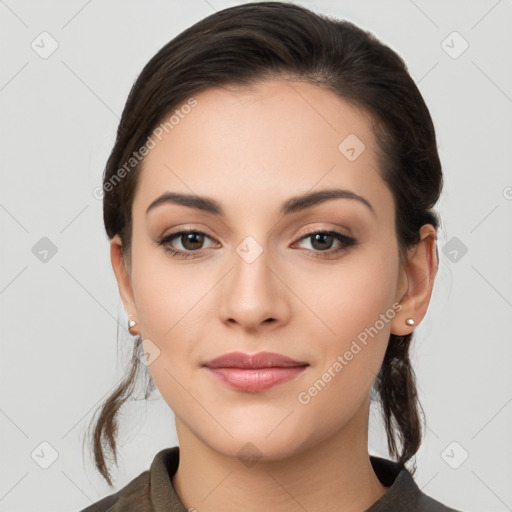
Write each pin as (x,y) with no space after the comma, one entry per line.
(292,205)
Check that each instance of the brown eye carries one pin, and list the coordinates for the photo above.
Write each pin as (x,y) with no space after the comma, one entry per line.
(323,241)
(190,241)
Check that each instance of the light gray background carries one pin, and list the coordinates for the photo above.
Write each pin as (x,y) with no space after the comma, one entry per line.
(58,324)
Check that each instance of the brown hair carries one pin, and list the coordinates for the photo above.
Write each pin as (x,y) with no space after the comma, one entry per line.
(244,45)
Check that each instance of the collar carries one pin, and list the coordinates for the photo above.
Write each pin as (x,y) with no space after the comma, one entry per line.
(402,494)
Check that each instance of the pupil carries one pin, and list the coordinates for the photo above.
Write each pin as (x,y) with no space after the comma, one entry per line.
(322,237)
(193,238)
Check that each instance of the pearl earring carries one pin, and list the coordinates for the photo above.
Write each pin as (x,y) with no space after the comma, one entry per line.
(409,321)
(131,325)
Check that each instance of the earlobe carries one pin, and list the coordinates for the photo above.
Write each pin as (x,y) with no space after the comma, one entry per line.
(122,274)
(420,271)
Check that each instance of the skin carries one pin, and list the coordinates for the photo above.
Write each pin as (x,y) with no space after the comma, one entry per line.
(251,150)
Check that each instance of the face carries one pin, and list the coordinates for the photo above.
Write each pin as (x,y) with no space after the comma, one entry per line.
(317,281)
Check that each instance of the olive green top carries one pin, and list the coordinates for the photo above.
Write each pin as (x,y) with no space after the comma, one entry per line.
(152,490)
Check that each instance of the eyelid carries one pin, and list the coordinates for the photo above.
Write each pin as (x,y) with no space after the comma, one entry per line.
(346,241)
(312,231)
(186,228)
(180,231)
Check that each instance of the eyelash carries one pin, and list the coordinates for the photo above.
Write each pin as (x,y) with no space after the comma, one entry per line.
(347,242)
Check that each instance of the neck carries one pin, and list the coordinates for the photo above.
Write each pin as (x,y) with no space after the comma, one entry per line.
(334,475)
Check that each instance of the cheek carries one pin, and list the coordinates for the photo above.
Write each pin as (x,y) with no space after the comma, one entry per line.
(173,308)
(165,292)
(355,305)
(351,296)
(171,315)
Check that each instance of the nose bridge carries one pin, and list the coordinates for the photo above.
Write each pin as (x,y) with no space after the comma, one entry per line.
(252,293)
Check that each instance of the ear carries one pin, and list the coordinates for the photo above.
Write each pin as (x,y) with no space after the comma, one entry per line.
(122,274)
(418,277)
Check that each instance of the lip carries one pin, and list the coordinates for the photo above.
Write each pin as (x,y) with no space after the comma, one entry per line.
(256,372)
(253,361)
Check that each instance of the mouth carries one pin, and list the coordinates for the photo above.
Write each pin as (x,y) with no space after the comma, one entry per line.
(254,373)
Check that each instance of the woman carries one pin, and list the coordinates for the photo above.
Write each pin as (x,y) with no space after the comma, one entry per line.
(269,201)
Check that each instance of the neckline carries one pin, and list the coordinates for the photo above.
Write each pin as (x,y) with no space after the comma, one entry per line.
(391,474)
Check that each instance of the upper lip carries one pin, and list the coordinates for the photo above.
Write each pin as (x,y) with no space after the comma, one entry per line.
(259,360)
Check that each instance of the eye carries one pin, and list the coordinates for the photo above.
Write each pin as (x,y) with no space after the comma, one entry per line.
(191,241)
(322,242)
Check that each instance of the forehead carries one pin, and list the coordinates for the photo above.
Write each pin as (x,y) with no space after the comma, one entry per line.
(274,140)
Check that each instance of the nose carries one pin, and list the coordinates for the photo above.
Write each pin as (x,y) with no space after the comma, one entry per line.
(254,294)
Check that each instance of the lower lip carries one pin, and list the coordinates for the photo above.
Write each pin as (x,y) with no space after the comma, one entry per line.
(258,379)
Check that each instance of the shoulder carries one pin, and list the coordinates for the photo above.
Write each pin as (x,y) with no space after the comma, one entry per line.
(403,493)
(419,501)
(151,491)
(133,496)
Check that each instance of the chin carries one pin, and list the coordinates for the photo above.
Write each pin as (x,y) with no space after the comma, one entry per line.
(251,442)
